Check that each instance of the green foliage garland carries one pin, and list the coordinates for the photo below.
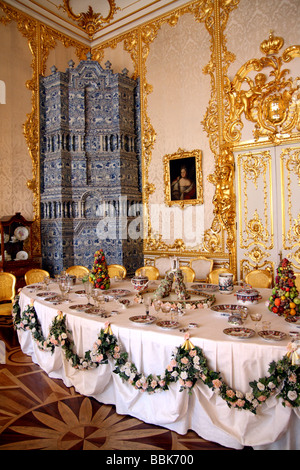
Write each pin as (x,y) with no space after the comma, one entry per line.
(187,365)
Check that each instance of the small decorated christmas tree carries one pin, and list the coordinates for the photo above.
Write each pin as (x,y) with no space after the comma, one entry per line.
(284,299)
(99,273)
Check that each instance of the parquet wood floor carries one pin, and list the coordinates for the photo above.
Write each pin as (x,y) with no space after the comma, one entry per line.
(37,412)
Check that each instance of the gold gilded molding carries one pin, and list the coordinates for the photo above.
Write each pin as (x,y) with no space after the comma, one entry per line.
(290,180)
(224,198)
(271,100)
(91,22)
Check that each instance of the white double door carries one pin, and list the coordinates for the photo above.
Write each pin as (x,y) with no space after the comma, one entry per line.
(268,207)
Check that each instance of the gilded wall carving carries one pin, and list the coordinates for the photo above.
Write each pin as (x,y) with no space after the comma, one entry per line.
(290,181)
(263,116)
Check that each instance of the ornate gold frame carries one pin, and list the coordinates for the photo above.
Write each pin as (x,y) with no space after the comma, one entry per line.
(182,156)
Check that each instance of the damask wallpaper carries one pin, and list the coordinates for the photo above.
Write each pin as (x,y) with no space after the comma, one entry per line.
(177,106)
(15,162)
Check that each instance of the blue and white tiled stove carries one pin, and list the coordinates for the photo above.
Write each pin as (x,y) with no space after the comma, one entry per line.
(90,167)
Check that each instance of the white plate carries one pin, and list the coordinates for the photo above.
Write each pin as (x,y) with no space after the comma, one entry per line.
(228,310)
(21,255)
(21,233)
(143,319)
(117,292)
(46,294)
(209,287)
(239,332)
(168,325)
(272,335)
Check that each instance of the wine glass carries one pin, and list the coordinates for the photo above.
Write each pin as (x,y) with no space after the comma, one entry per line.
(46,282)
(95,296)
(165,308)
(157,305)
(63,286)
(174,314)
(147,305)
(256,317)
(88,287)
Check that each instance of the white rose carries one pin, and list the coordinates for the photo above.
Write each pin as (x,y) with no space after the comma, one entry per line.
(260,386)
(292,395)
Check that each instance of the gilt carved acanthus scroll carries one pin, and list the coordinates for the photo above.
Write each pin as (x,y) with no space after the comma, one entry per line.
(270,99)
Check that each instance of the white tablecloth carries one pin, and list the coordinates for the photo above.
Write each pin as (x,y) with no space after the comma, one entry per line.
(150,349)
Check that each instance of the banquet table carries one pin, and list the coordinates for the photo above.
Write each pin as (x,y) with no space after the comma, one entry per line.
(150,348)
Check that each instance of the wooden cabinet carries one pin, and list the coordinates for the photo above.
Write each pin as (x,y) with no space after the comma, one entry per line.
(16,247)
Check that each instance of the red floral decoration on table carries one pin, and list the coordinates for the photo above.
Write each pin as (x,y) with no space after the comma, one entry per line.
(284,299)
(99,273)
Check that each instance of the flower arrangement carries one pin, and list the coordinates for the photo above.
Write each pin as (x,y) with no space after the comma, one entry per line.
(188,364)
(99,273)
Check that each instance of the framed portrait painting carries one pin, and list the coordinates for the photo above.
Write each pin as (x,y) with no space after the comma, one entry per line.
(183,178)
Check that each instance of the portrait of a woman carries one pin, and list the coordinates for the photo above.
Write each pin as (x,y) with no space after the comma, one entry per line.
(183,185)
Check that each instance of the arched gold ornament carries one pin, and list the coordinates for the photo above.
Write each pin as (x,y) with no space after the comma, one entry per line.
(90,21)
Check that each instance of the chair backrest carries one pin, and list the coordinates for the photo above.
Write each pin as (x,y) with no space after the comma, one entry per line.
(163,264)
(150,271)
(7,286)
(297,281)
(213,277)
(189,273)
(259,278)
(116,270)
(202,267)
(35,275)
(77,270)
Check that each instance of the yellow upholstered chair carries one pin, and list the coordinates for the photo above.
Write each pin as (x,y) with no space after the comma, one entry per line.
(213,276)
(77,270)
(189,273)
(202,267)
(163,264)
(297,281)
(35,275)
(151,272)
(259,278)
(116,270)
(7,292)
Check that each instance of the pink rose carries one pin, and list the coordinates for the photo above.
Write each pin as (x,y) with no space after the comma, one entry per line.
(262,398)
(217,383)
(240,403)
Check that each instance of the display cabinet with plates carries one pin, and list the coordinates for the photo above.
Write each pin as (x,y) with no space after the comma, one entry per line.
(16,247)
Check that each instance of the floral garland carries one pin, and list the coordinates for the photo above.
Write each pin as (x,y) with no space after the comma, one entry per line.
(187,365)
